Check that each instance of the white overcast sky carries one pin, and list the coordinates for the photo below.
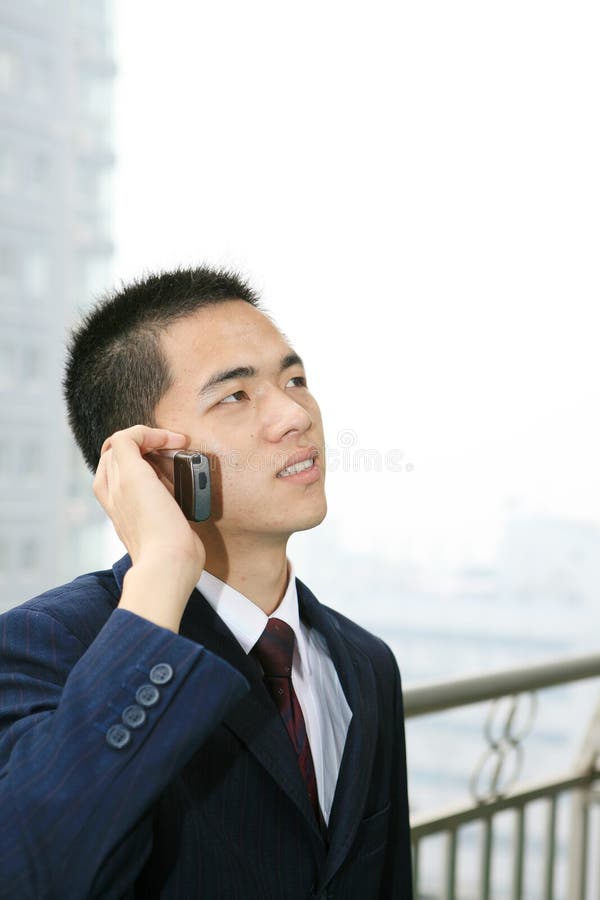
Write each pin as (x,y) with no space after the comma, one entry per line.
(414,188)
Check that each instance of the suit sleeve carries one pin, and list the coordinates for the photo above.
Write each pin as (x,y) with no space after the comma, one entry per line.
(397,880)
(78,774)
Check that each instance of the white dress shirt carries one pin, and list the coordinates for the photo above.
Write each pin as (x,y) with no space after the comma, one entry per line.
(316,683)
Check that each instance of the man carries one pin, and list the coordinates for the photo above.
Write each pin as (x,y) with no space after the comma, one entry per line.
(194,723)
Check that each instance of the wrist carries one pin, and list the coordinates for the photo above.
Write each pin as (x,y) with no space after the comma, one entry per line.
(159,591)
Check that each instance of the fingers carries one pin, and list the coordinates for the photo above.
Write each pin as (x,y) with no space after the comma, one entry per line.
(127,447)
(146,439)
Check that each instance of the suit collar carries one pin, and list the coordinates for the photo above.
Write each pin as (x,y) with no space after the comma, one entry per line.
(245,619)
(256,722)
(358,683)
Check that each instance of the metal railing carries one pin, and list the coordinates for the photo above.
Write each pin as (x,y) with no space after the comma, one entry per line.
(504,740)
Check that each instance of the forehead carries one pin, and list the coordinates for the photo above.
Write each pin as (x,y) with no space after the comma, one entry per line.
(233,332)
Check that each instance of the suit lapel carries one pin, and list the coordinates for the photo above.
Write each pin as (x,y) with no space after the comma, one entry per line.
(358,683)
(255,719)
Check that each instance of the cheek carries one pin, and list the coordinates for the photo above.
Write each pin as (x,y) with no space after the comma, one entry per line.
(242,490)
(240,471)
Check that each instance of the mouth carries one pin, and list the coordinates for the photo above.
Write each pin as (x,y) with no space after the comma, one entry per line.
(300,463)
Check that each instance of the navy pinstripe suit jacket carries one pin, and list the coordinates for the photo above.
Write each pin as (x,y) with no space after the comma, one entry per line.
(206,799)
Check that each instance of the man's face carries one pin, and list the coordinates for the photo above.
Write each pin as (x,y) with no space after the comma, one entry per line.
(239,391)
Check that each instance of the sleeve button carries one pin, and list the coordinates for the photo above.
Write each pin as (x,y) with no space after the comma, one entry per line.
(147,695)
(161,673)
(134,716)
(118,736)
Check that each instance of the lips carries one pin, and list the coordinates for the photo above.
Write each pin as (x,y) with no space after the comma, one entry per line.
(299,457)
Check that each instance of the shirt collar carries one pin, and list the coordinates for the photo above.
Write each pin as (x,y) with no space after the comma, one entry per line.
(244,618)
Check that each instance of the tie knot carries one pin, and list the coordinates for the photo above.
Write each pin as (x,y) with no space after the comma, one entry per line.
(275,649)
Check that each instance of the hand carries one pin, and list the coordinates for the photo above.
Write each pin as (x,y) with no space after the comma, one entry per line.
(167,555)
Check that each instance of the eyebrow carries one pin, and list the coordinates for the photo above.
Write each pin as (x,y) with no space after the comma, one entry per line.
(291,359)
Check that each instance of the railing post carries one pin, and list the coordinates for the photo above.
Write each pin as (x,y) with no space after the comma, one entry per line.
(519,853)
(415,864)
(578,851)
(486,858)
(550,851)
(450,893)
(578,857)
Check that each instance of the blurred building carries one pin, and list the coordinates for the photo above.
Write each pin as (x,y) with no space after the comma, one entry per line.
(56,160)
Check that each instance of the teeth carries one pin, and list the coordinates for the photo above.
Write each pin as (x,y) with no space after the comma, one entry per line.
(298,467)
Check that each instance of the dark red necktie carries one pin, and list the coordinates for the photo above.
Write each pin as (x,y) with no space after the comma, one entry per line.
(275,650)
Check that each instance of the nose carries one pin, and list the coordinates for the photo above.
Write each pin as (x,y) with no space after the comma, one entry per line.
(283,415)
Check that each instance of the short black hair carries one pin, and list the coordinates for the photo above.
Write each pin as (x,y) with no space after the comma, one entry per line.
(116,372)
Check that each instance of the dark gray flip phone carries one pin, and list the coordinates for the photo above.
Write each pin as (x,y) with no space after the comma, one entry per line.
(191,481)
(191,478)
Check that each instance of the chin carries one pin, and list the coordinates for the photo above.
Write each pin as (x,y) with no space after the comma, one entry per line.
(311,521)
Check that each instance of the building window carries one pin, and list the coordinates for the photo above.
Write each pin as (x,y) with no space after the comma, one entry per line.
(8,266)
(8,175)
(31,461)
(95,276)
(29,555)
(96,96)
(4,460)
(35,273)
(40,169)
(4,557)
(32,363)
(40,75)
(8,71)
(7,364)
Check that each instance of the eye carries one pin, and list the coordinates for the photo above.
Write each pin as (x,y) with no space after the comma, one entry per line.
(235,397)
(298,378)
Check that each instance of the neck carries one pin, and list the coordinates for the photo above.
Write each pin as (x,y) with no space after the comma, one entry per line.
(257,569)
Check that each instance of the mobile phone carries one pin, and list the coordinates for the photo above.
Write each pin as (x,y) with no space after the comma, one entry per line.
(191,482)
